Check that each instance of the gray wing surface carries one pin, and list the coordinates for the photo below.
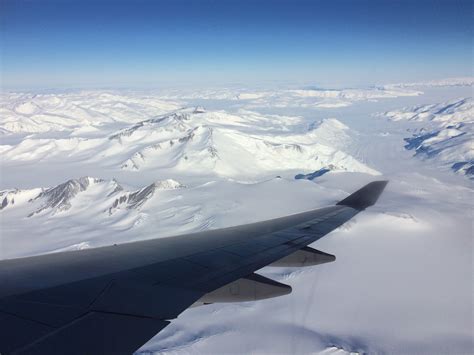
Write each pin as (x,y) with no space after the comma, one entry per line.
(111,300)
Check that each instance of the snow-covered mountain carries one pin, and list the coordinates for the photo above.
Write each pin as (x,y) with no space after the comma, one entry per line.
(138,155)
(146,151)
(445,113)
(81,194)
(239,145)
(234,146)
(83,111)
(87,112)
(88,206)
(136,159)
(90,212)
(298,97)
(445,133)
(461,81)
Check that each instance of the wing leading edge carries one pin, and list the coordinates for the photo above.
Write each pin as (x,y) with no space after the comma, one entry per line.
(111,300)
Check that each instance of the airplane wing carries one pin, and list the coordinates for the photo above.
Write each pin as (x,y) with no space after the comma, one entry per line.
(111,300)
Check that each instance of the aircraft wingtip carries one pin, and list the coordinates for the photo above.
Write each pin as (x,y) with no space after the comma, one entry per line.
(366,196)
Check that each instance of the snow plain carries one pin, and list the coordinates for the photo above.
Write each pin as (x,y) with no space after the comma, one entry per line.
(83,169)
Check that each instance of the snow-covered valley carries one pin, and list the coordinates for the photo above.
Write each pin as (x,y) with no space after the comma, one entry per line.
(85,169)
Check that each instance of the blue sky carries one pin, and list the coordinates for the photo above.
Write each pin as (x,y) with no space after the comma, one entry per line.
(182,42)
